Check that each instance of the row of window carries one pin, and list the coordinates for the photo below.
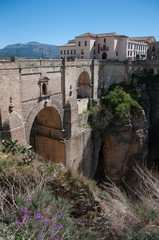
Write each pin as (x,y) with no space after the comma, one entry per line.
(68,52)
(134,53)
(137,47)
(85,43)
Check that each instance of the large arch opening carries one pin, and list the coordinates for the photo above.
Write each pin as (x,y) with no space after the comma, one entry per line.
(46,135)
(83,85)
(83,94)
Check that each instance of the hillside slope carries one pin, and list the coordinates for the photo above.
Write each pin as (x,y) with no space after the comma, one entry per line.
(41,200)
(30,50)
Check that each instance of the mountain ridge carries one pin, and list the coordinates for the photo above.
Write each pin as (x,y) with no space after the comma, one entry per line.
(31,49)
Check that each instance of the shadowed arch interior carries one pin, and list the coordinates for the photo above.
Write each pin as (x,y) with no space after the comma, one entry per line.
(84,85)
(46,135)
(104,55)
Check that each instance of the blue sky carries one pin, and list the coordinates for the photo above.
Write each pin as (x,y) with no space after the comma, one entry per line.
(56,22)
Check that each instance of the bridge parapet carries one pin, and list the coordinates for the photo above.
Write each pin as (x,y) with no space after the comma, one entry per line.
(23,63)
(79,63)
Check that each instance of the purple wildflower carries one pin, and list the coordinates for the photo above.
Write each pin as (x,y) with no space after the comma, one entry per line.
(14,214)
(46,221)
(60,226)
(26,218)
(38,216)
(59,214)
(27,199)
(24,210)
(18,223)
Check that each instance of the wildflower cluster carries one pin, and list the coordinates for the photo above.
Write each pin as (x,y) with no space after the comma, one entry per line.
(35,225)
(136,233)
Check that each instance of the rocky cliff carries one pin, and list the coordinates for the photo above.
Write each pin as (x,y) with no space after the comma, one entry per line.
(121,145)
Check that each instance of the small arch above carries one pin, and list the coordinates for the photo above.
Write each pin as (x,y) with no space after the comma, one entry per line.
(84,85)
(43,84)
(44,89)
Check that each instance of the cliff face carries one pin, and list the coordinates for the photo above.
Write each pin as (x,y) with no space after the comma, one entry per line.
(151,97)
(122,145)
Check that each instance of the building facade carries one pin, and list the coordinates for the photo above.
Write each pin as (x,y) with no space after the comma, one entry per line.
(106,46)
(153,52)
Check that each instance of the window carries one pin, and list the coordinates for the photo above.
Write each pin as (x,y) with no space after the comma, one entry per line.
(116,54)
(104,47)
(67,52)
(82,52)
(85,43)
(61,52)
(94,43)
(64,52)
(153,48)
(75,52)
(128,53)
(79,44)
(44,89)
(94,52)
(98,48)
(71,52)
(104,40)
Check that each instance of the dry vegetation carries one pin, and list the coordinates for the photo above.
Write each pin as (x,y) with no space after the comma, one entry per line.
(88,211)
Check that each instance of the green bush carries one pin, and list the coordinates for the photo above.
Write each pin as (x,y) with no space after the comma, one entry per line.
(120,102)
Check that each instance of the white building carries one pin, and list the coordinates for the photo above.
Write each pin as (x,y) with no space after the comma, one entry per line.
(105,46)
(68,50)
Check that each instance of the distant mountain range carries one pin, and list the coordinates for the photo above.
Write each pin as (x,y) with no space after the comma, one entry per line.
(30,50)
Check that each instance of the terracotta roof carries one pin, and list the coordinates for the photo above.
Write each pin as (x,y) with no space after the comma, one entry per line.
(100,35)
(154,43)
(72,41)
(87,35)
(107,34)
(69,45)
(122,36)
(144,39)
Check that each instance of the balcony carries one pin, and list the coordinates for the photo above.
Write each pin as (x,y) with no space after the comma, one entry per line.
(104,48)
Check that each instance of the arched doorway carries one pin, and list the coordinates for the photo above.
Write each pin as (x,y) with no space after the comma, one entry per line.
(104,55)
(46,135)
(83,85)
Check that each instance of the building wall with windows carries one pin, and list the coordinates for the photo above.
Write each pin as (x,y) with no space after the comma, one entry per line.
(106,46)
(136,50)
(84,47)
(153,52)
(68,50)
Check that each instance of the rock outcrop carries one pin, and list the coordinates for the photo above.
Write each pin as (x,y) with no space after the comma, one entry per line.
(123,144)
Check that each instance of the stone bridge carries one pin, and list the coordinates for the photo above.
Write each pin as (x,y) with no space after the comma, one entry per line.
(41,99)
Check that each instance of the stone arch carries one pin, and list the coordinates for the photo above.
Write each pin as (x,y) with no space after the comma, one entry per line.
(46,135)
(83,85)
(104,55)
(34,112)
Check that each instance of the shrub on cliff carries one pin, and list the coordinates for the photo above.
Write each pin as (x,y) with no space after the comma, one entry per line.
(120,103)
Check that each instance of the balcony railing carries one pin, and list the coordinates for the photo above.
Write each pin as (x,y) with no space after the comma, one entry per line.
(104,48)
